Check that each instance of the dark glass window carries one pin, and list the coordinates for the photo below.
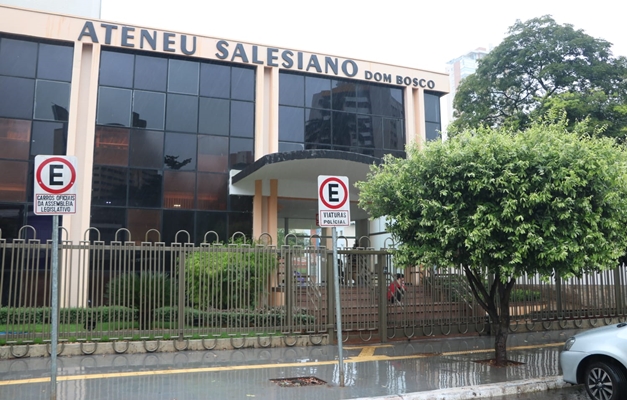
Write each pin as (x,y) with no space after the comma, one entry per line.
(116,69)
(365,135)
(354,125)
(393,134)
(144,188)
(146,149)
(432,131)
(175,221)
(108,221)
(241,222)
(182,113)
(168,130)
(183,77)
(242,118)
(317,126)
(16,97)
(48,138)
(11,219)
(317,92)
(241,203)
(292,124)
(211,222)
(242,152)
(18,58)
(143,224)
(151,73)
(292,90)
(14,139)
(42,225)
(432,117)
(214,116)
(34,84)
(55,62)
(111,146)
(148,110)
(212,191)
(215,80)
(344,129)
(179,189)
(213,153)
(180,151)
(109,186)
(432,108)
(114,107)
(13,180)
(52,100)
(243,83)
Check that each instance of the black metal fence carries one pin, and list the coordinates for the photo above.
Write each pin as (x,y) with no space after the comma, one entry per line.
(147,291)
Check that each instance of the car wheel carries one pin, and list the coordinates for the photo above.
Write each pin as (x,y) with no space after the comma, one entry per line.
(604,381)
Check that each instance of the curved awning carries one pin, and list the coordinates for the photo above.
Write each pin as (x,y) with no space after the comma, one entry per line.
(297,173)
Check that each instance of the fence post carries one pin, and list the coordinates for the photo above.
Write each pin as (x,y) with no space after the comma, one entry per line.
(617,291)
(383,299)
(330,297)
(181,300)
(289,289)
(558,295)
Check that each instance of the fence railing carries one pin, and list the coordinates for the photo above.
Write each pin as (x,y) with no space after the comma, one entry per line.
(148,291)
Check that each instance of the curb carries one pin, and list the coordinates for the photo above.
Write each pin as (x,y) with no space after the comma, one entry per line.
(482,391)
(17,351)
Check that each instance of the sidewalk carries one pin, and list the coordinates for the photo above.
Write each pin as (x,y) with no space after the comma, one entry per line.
(438,368)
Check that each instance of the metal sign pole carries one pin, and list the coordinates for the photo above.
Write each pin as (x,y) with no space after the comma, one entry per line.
(55,307)
(338,308)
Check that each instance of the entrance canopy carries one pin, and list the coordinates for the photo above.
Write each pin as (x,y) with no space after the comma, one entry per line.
(297,175)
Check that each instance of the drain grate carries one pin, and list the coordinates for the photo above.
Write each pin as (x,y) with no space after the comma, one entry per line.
(300,381)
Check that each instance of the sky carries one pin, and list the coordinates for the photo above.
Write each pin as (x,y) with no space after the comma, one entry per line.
(412,33)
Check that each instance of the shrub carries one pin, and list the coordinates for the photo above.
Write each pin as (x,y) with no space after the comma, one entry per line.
(231,278)
(525,295)
(144,292)
(66,315)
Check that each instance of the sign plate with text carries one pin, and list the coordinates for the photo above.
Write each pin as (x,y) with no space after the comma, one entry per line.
(333,201)
(55,185)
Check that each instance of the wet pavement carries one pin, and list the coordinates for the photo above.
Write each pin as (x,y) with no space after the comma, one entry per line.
(370,370)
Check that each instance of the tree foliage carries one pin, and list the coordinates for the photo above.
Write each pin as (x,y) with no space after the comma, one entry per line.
(539,201)
(543,65)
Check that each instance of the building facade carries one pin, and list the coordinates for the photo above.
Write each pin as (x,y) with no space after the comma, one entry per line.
(178,132)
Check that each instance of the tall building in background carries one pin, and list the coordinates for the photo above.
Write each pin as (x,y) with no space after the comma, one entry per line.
(80,8)
(458,69)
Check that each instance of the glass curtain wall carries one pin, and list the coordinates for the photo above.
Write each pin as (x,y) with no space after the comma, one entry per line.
(34,102)
(347,115)
(168,131)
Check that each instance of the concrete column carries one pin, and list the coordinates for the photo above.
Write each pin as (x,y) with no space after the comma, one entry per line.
(258,210)
(265,202)
(415,116)
(81,132)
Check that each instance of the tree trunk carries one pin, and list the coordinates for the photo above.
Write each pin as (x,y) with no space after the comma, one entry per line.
(501,330)
(501,325)
(497,308)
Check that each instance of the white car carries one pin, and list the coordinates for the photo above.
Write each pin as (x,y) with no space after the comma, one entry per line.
(598,359)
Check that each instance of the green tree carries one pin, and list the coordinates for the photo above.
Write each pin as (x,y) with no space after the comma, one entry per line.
(502,204)
(542,65)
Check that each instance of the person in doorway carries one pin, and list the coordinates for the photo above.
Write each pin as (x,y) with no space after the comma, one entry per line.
(396,290)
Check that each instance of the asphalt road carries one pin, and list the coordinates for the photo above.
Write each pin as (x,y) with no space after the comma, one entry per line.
(572,393)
